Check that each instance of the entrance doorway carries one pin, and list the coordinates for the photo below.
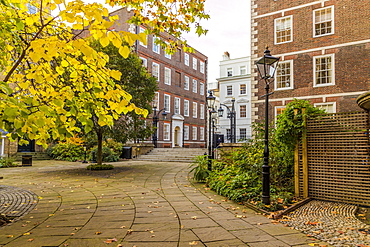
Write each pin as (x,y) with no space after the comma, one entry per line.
(177,137)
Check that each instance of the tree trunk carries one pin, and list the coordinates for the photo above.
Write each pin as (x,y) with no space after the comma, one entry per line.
(99,154)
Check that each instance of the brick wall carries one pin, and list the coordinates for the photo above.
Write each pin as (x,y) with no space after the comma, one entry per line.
(349,44)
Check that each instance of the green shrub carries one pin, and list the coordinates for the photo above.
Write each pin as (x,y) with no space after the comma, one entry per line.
(8,162)
(67,151)
(108,155)
(238,174)
(96,167)
(200,168)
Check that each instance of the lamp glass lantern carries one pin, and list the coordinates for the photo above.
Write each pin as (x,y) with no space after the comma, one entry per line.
(220,112)
(267,65)
(211,100)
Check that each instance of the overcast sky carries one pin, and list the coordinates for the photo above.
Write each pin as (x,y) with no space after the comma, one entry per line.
(229,29)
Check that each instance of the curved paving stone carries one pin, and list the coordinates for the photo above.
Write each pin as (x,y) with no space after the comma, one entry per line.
(139,203)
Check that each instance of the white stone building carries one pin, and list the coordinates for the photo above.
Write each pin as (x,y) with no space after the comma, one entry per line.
(235,83)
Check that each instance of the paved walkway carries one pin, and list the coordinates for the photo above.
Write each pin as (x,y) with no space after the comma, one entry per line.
(136,204)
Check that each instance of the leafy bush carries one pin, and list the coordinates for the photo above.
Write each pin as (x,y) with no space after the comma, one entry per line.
(96,167)
(200,168)
(7,162)
(116,147)
(238,173)
(67,151)
(108,155)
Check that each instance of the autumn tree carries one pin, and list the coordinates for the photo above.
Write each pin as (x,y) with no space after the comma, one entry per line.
(140,85)
(51,80)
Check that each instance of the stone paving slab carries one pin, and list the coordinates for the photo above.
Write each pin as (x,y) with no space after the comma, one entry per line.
(138,203)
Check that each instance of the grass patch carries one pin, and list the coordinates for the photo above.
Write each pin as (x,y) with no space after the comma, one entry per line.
(97,167)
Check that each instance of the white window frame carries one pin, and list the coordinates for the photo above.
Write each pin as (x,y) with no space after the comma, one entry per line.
(155,72)
(291,86)
(156,47)
(177,109)
(240,111)
(195,110)
(144,62)
(278,108)
(322,105)
(186,82)
(229,72)
(195,63)
(195,86)
(166,131)
(186,59)
(194,133)
(243,70)
(186,132)
(201,88)
(201,113)
(132,28)
(156,100)
(201,133)
(240,89)
(332,71)
(167,76)
(291,29)
(245,134)
(142,30)
(201,67)
(186,108)
(227,90)
(314,22)
(167,103)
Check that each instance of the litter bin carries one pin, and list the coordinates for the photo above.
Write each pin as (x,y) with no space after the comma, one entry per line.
(26,160)
(126,153)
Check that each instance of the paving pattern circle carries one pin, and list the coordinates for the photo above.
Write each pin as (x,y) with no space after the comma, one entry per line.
(15,202)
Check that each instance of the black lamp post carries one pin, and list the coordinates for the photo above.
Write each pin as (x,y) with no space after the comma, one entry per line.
(155,123)
(232,115)
(211,102)
(266,66)
(85,150)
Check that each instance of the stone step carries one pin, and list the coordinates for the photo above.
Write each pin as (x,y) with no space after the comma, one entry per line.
(35,155)
(172,155)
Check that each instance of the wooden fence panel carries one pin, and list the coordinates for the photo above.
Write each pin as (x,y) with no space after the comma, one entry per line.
(338,158)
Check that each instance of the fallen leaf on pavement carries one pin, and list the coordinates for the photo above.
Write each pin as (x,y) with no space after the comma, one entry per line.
(111,240)
(97,233)
(193,243)
(30,240)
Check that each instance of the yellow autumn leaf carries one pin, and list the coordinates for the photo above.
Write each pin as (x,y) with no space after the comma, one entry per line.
(115,74)
(64,63)
(124,51)
(104,41)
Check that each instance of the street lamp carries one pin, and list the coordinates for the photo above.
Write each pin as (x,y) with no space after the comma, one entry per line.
(210,102)
(85,154)
(155,123)
(232,115)
(266,66)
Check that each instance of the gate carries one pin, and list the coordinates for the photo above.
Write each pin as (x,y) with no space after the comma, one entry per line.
(333,158)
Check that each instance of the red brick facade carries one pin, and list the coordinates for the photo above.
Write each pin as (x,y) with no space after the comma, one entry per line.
(175,89)
(347,44)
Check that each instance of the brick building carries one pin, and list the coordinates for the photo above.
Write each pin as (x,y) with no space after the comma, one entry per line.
(324,50)
(182,88)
